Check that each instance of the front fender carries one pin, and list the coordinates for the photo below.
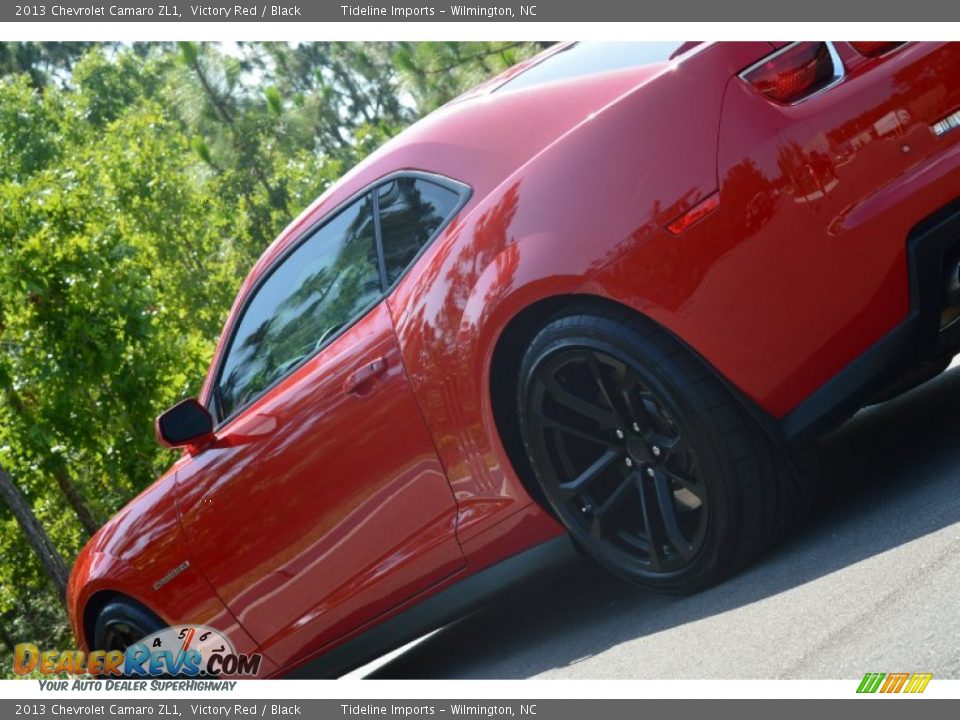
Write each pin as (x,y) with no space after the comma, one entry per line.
(141,554)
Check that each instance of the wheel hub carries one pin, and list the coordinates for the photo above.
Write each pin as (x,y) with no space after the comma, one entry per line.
(639,451)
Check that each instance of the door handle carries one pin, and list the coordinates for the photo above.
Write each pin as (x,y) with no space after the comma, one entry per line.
(361,381)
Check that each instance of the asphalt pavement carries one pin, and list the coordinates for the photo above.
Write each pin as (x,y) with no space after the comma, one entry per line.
(870,583)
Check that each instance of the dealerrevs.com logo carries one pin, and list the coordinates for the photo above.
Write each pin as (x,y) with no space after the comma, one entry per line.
(192,651)
(912,683)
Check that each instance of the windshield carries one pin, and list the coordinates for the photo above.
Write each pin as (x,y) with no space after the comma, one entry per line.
(591,58)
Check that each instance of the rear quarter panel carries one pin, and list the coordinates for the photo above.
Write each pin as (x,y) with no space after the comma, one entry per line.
(803,266)
(606,186)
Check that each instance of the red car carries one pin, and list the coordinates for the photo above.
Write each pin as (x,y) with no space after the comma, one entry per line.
(605,296)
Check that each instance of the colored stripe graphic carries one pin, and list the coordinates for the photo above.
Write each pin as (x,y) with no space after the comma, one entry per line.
(918,682)
(870,682)
(894,682)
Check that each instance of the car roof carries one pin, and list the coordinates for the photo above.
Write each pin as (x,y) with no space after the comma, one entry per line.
(480,138)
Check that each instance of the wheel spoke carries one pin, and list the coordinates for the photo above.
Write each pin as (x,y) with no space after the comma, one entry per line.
(668,514)
(568,429)
(624,389)
(635,541)
(647,412)
(647,512)
(617,497)
(596,527)
(668,445)
(605,418)
(613,501)
(598,377)
(580,483)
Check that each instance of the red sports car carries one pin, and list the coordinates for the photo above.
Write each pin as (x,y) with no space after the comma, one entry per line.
(608,296)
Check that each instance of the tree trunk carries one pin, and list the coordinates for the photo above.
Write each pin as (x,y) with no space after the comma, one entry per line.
(70,491)
(39,541)
(54,464)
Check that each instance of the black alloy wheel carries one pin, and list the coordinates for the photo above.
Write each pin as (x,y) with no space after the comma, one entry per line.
(621,468)
(654,468)
(119,635)
(122,623)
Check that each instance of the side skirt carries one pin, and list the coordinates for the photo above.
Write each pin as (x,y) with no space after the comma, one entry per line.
(447,605)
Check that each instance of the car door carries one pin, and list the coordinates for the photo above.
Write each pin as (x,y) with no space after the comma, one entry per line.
(321,503)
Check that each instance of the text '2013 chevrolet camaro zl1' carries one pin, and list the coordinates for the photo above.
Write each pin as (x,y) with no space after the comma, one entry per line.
(610,295)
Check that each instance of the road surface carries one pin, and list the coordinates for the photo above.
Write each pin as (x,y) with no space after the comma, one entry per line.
(870,583)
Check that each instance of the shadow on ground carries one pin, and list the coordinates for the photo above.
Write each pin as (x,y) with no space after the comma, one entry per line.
(889,477)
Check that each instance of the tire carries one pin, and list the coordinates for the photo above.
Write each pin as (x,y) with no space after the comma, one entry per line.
(654,468)
(122,623)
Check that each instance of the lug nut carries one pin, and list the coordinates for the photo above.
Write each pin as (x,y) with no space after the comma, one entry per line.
(636,427)
(650,472)
(629,462)
(620,434)
(655,450)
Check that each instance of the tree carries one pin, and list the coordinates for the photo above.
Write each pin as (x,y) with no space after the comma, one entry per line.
(41,544)
(6,639)
(52,460)
(138,184)
(436,72)
(41,62)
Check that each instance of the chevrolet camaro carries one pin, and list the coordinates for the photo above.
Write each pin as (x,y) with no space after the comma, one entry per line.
(607,300)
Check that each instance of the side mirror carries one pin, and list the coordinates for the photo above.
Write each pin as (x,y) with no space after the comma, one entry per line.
(186,423)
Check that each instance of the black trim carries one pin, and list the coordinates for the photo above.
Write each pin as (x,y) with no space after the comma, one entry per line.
(913,341)
(378,238)
(438,610)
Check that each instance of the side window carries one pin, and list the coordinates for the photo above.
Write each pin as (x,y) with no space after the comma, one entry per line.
(323,285)
(411,211)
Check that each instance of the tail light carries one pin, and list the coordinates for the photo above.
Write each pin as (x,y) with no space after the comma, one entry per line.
(796,72)
(875,49)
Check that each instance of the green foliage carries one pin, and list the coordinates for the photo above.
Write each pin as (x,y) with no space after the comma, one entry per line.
(42,63)
(138,184)
(435,72)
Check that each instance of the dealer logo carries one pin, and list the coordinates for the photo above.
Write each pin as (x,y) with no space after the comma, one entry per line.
(894,682)
(189,651)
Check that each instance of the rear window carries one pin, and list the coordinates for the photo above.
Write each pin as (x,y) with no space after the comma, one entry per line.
(411,211)
(591,58)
